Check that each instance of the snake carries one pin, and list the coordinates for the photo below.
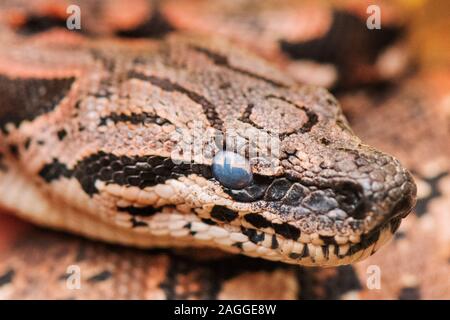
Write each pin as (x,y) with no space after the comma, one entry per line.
(99,136)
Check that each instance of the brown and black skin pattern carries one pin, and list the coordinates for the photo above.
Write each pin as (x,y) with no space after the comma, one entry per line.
(392,287)
(61,134)
(324,182)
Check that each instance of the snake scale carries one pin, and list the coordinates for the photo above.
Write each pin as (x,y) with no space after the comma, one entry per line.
(92,123)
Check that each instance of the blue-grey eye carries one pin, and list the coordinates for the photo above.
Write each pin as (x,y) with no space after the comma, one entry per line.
(232,170)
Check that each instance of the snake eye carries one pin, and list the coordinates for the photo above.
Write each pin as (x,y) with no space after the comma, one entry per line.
(232,170)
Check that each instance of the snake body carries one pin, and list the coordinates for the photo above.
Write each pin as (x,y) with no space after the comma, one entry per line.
(91,137)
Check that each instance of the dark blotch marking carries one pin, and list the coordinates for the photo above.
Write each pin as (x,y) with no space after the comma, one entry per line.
(257,220)
(165,84)
(134,118)
(332,286)
(344,281)
(294,255)
(3,166)
(136,223)
(305,251)
(209,275)
(286,230)
(336,251)
(102,276)
(81,252)
(303,254)
(222,213)
(64,276)
(140,171)
(27,143)
(422,204)
(209,221)
(156,26)
(399,235)
(237,245)
(245,116)
(325,251)
(14,150)
(7,277)
(221,60)
(409,293)
(54,170)
(253,235)
(140,211)
(347,43)
(26,99)
(328,240)
(34,24)
(61,134)
(274,243)
(225,85)
(325,141)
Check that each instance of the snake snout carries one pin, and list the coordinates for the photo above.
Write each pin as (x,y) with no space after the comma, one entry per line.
(407,199)
(389,192)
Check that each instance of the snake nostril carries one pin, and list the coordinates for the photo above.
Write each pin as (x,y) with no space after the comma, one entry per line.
(351,199)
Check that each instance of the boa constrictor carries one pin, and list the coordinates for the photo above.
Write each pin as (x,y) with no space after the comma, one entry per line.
(89,130)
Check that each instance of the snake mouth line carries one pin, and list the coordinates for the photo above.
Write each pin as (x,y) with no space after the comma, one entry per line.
(328,254)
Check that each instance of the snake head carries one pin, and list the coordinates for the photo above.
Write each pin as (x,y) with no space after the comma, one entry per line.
(329,199)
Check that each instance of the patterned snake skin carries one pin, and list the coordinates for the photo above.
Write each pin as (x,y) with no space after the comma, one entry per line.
(185,273)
